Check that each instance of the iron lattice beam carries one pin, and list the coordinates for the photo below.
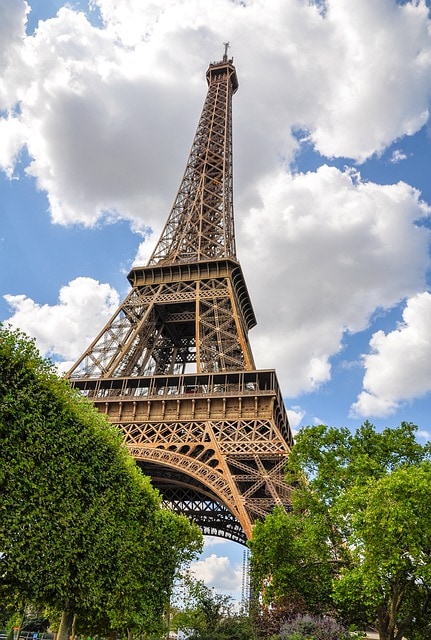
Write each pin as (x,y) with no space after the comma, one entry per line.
(188,497)
(201,222)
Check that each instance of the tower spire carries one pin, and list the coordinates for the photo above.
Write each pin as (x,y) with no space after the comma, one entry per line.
(201,223)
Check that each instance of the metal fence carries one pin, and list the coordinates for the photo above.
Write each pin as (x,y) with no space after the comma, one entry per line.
(28,635)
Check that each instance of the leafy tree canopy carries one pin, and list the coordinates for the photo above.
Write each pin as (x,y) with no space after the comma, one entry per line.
(81,528)
(358,539)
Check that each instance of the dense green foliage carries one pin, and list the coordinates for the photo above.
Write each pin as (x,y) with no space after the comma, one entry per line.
(81,529)
(358,540)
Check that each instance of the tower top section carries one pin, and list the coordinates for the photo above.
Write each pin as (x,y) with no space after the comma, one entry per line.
(223,67)
(200,226)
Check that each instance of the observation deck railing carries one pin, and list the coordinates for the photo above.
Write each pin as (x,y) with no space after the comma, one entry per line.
(189,385)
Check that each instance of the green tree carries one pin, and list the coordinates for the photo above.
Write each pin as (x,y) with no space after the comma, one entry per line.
(78,520)
(293,561)
(144,583)
(390,576)
(208,615)
(357,539)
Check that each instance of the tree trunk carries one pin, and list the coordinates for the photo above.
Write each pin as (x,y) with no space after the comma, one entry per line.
(73,630)
(65,628)
(383,624)
(387,614)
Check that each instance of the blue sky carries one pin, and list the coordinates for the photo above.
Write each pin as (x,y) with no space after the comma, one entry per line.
(332,141)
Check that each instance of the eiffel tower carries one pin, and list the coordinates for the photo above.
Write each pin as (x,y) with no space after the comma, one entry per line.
(173,368)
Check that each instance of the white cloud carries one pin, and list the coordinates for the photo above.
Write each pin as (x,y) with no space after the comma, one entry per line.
(327,249)
(12,31)
(108,113)
(379,61)
(399,365)
(295,415)
(211,541)
(11,131)
(66,329)
(397,156)
(217,571)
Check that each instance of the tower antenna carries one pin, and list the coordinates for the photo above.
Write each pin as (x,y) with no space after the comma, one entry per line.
(226,47)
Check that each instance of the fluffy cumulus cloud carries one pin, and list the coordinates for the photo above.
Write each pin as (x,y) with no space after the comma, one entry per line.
(295,415)
(217,571)
(65,330)
(328,249)
(12,32)
(377,73)
(399,365)
(92,102)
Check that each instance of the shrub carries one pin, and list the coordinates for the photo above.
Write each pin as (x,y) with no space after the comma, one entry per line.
(307,627)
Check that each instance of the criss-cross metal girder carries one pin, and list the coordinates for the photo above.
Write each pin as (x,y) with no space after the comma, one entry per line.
(173,368)
(201,222)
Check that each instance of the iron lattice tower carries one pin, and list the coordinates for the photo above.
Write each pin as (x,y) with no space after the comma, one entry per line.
(173,368)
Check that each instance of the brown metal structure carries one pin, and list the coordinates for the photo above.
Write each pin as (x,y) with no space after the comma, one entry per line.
(173,368)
